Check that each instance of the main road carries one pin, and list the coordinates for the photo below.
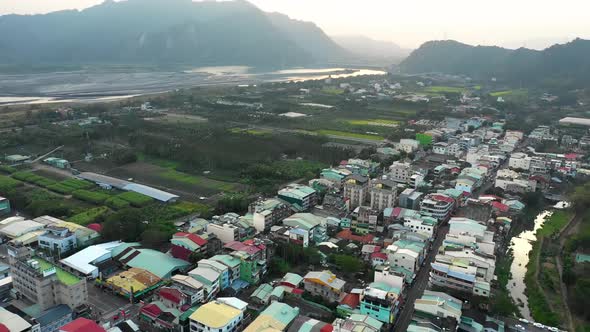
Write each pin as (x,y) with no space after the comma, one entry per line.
(420,282)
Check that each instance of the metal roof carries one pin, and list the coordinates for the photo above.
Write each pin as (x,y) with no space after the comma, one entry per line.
(151,192)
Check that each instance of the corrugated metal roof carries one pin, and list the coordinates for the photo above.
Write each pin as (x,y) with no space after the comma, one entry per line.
(151,192)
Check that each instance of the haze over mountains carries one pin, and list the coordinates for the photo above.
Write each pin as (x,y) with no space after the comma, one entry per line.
(366,47)
(165,32)
(566,64)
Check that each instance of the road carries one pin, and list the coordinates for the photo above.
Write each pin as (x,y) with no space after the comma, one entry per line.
(417,288)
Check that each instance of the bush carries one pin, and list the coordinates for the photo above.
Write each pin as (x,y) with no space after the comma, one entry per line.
(90,196)
(7,169)
(59,188)
(90,216)
(7,183)
(77,184)
(34,178)
(136,199)
(117,203)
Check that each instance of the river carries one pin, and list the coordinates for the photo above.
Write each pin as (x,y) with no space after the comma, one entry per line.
(101,86)
(521,245)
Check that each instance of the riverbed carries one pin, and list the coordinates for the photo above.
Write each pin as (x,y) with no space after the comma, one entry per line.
(521,245)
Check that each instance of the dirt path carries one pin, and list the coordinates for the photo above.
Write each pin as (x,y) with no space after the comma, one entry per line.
(568,230)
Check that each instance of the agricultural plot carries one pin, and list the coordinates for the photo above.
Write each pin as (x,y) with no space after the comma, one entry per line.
(444,89)
(89,216)
(34,179)
(7,183)
(90,196)
(135,199)
(374,122)
(350,135)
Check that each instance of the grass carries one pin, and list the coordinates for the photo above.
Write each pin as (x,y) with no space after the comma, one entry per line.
(520,93)
(7,169)
(63,276)
(188,207)
(444,89)
(117,203)
(351,135)
(556,222)
(373,122)
(7,183)
(89,216)
(333,91)
(156,161)
(90,196)
(136,199)
(174,175)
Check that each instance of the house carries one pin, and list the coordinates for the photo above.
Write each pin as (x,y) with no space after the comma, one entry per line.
(406,254)
(306,227)
(233,264)
(423,225)
(172,297)
(220,268)
(160,316)
(52,319)
(364,219)
(225,232)
(253,259)
(407,145)
(457,275)
(275,318)
(209,278)
(324,284)
(356,189)
(225,314)
(439,304)
(357,322)
(82,325)
(268,212)
(57,240)
(189,286)
(185,244)
(380,301)
(301,197)
(400,172)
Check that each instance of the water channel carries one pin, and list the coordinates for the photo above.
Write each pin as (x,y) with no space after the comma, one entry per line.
(521,245)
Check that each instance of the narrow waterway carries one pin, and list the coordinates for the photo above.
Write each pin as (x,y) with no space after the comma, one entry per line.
(521,245)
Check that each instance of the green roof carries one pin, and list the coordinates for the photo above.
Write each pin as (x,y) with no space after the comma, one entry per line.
(292,278)
(156,262)
(384,287)
(306,221)
(262,292)
(120,248)
(279,291)
(63,276)
(582,258)
(185,315)
(227,260)
(282,312)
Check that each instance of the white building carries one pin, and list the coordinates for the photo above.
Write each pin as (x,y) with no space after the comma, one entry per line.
(57,240)
(440,148)
(408,145)
(406,258)
(225,232)
(520,161)
(222,315)
(383,193)
(439,304)
(86,260)
(400,172)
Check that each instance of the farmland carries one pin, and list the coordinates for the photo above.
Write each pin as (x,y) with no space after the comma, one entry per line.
(444,89)
(349,134)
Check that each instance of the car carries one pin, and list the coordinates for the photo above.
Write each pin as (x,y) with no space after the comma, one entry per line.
(552,329)
(539,325)
(524,320)
(202,198)
(519,327)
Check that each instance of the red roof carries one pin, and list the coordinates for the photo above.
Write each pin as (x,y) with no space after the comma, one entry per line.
(297,291)
(571,156)
(82,325)
(95,227)
(443,198)
(351,300)
(347,235)
(152,310)
(3,328)
(327,328)
(381,255)
(171,294)
(247,246)
(193,237)
(500,206)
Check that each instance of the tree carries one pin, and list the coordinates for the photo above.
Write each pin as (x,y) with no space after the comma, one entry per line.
(349,264)
(125,225)
(153,238)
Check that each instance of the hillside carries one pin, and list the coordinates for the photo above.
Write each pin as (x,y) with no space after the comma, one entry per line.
(563,64)
(371,48)
(162,32)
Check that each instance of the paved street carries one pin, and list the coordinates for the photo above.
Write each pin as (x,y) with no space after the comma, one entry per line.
(417,288)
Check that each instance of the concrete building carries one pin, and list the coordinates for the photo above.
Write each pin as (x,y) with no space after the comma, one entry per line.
(275,318)
(225,314)
(400,172)
(422,225)
(356,189)
(407,145)
(439,304)
(301,197)
(324,284)
(225,232)
(512,181)
(519,161)
(380,301)
(410,199)
(439,206)
(44,283)
(189,286)
(306,227)
(4,206)
(357,322)
(383,193)
(57,240)
(89,261)
(209,278)
(457,275)
(186,244)
(219,268)
(267,213)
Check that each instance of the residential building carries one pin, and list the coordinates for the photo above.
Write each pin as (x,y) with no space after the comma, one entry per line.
(57,240)
(440,148)
(356,189)
(301,197)
(410,199)
(380,301)
(364,219)
(91,261)
(324,284)
(172,297)
(275,318)
(233,264)
(253,259)
(209,278)
(222,315)
(306,227)
(335,175)
(424,225)
(439,206)
(307,324)
(186,244)
(224,232)
(44,283)
(82,325)
(511,181)
(407,145)
(400,172)
(4,206)
(390,277)
(457,275)
(52,319)
(439,304)
(268,212)
(219,268)
(519,161)
(406,254)
(357,322)
(160,316)
(383,193)
(189,286)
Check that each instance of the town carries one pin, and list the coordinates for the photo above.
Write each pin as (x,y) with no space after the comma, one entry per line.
(354,203)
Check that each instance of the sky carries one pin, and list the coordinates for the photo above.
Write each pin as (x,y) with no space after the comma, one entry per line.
(509,23)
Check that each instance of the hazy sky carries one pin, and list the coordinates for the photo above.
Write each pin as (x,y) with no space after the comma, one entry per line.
(514,23)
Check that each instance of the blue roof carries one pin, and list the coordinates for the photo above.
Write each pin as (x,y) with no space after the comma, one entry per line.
(53,314)
(151,192)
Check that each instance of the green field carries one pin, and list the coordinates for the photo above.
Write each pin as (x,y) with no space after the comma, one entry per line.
(172,174)
(89,216)
(512,93)
(332,91)
(136,199)
(444,89)
(351,135)
(373,122)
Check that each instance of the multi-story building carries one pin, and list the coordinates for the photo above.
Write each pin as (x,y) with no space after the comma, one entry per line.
(455,274)
(512,181)
(357,322)
(224,232)
(440,148)
(189,286)
(253,259)
(364,219)
(276,317)
(383,193)
(335,175)
(519,161)
(423,225)
(410,199)
(380,301)
(186,244)
(439,206)
(407,145)
(57,240)
(400,172)
(356,188)
(301,197)
(225,314)
(209,278)
(439,304)
(268,212)
(233,264)
(43,282)
(324,284)
(306,227)
(219,268)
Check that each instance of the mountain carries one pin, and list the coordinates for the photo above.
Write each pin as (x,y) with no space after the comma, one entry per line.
(162,32)
(561,63)
(310,37)
(365,46)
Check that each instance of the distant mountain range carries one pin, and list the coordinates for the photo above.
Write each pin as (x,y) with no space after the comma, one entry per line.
(165,32)
(368,48)
(561,64)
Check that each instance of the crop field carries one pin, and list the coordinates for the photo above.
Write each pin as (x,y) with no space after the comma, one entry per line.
(350,135)
(175,118)
(444,89)
(332,91)
(198,180)
(374,122)
(510,93)
(259,132)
